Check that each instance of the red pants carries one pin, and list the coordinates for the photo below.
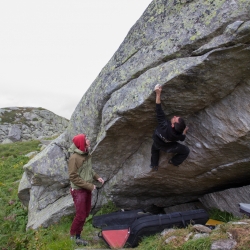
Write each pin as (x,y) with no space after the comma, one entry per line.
(82,202)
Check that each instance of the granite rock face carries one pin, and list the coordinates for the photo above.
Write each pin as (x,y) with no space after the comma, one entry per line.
(23,124)
(227,200)
(199,51)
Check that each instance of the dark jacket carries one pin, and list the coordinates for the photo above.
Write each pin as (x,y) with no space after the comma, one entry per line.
(164,131)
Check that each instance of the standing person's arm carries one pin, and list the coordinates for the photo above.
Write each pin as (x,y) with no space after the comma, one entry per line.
(97,177)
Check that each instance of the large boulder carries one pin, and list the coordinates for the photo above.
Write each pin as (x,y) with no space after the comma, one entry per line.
(200,53)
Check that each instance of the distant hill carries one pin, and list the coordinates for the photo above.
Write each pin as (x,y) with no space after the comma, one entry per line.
(29,123)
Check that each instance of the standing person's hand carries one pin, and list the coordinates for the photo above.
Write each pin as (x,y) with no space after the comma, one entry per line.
(94,188)
(100,180)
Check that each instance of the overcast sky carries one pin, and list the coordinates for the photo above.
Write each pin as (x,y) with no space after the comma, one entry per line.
(52,50)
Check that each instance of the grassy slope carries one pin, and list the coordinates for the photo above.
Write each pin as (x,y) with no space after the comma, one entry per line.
(13,217)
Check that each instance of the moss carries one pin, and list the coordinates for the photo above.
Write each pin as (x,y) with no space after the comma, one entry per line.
(192,38)
(8,117)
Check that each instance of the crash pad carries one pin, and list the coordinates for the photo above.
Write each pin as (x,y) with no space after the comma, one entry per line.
(212,222)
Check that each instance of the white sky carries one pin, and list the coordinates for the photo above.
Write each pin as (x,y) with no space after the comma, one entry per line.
(52,50)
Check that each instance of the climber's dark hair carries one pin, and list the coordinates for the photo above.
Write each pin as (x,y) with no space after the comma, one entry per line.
(180,126)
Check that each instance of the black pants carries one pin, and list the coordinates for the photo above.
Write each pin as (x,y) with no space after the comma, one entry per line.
(181,152)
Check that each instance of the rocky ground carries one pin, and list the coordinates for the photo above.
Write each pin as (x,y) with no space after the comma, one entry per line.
(29,123)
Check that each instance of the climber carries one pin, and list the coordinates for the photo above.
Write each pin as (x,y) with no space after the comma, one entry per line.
(166,135)
(81,178)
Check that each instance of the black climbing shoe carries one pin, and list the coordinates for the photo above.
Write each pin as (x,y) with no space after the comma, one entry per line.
(154,167)
(170,162)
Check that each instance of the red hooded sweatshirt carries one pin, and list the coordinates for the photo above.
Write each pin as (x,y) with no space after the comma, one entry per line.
(80,142)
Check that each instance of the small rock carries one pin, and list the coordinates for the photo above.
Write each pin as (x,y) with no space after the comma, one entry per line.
(223,245)
(230,236)
(6,141)
(170,239)
(198,236)
(167,231)
(188,236)
(201,228)
(240,223)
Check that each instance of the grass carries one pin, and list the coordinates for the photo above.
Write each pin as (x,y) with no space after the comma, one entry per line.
(223,216)
(157,242)
(14,216)
(18,148)
(50,138)
(8,116)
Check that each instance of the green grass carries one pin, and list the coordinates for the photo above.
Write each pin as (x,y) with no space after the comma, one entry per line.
(157,242)
(199,244)
(223,216)
(14,216)
(8,116)
(107,208)
(50,138)
(18,148)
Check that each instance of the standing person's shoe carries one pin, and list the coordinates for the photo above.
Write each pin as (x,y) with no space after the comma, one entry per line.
(81,241)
